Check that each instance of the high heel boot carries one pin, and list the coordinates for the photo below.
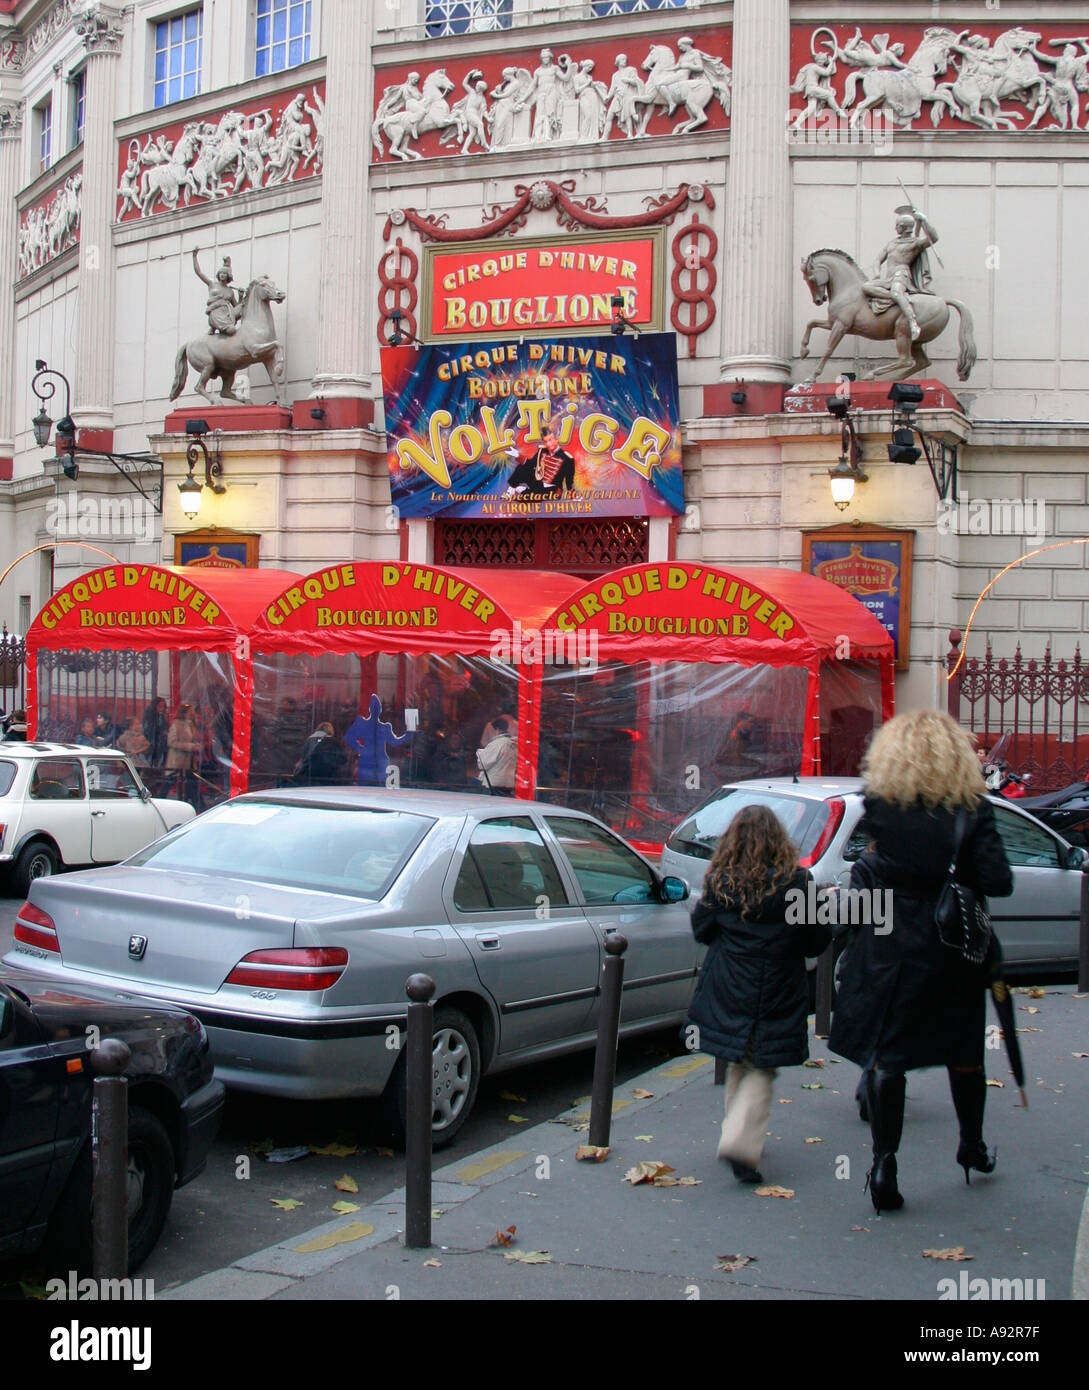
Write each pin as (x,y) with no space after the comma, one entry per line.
(969,1090)
(885,1099)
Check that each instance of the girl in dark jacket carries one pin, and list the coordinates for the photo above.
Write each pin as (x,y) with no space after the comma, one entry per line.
(751,1000)
(905,999)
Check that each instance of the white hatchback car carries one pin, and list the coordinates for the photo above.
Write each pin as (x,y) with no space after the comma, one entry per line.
(64,806)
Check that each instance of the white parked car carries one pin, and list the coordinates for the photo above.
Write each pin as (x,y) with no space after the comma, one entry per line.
(63,806)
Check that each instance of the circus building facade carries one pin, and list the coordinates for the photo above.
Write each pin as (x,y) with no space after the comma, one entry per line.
(586,290)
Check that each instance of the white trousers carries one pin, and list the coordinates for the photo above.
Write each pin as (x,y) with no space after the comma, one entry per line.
(748,1105)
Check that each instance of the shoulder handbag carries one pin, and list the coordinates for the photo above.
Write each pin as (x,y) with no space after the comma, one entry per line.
(963,922)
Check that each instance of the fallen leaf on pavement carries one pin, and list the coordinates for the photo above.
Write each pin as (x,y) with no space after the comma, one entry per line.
(644,1138)
(728,1263)
(285,1203)
(861,1228)
(1037,993)
(992,1082)
(528,1257)
(1026,1009)
(786,1102)
(955,1252)
(640,1094)
(334,1150)
(346,1184)
(675,1182)
(814,1062)
(812,1085)
(1079,1054)
(592,1153)
(1030,1030)
(1079,996)
(436,1212)
(345,1207)
(518,1119)
(432,1264)
(509,1095)
(814,1141)
(581,1128)
(504,1237)
(786,1192)
(527,1194)
(646,1171)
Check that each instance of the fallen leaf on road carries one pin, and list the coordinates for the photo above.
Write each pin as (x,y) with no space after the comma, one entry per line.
(334,1150)
(1079,1054)
(581,1128)
(527,1194)
(786,1102)
(728,1263)
(345,1208)
(646,1171)
(992,1082)
(814,1141)
(592,1153)
(644,1138)
(955,1252)
(509,1095)
(813,1062)
(436,1212)
(1026,1009)
(285,1203)
(861,1228)
(432,1264)
(640,1094)
(675,1182)
(346,1184)
(1030,1030)
(504,1237)
(1079,996)
(1037,993)
(812,1085)
(518,1119)
(786,1192)
(528,1257)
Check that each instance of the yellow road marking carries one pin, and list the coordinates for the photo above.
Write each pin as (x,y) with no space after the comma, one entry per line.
(355,1230)
(684,1068)
(617,1105)
(472,1171)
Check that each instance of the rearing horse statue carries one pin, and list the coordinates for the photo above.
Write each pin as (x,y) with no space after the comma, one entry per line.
(223,355)
(835,279)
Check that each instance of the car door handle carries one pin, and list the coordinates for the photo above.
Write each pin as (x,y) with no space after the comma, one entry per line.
(98,813)
(488,943)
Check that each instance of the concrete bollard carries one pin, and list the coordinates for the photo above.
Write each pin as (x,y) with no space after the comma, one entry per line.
(608,1033)
(419,1107)
(110,1159)
(826,966)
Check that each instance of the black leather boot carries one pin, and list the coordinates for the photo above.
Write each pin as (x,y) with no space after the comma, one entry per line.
(885,1100)
(969,1090)
(861,1100)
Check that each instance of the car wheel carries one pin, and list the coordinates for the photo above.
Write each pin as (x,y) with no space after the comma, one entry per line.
(37,860)
(150,1189)
(455,1075)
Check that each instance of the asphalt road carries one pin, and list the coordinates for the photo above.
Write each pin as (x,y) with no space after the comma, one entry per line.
(228,1213)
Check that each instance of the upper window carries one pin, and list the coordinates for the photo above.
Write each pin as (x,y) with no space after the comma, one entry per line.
(507,867)
(602,8)
(283,34)
(179,44)
(45,135)
(466,16)
(78,88)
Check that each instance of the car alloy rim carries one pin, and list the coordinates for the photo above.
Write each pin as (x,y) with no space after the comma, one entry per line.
(453,1074)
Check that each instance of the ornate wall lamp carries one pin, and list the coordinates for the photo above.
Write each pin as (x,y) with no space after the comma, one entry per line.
(848,471)
(132,467)
(191,488)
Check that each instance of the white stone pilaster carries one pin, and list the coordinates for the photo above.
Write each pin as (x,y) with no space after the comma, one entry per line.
(345,317)
(11,134)
(92,387)
(756,293)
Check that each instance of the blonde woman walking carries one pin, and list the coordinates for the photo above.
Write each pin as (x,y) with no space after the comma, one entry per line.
(906,1000)
(751,1000)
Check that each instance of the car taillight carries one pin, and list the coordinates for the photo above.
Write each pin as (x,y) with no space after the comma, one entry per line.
(36,928)
(836,808)
(310,967)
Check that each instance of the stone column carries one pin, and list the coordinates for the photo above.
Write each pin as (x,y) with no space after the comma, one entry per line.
(756,301)
(346,313)
(11,133)
(92,387)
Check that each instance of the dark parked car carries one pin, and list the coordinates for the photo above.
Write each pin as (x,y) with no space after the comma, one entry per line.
(175,1105)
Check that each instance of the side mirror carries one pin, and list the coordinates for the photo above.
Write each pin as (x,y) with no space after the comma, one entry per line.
(1077,858)
(673,889)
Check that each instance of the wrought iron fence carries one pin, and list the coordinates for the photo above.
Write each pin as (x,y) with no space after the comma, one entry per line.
(12,672)
(1042,703)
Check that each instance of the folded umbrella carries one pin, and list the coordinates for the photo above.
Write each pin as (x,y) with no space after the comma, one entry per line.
(1003,1007)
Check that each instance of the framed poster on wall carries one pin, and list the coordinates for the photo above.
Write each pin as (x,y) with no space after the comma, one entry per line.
(217,549)
(873,563)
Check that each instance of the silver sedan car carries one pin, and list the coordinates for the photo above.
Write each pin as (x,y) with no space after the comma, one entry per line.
(288,923)
(1037,926)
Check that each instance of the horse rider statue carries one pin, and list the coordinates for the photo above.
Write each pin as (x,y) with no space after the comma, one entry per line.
(903,269)
(224,301)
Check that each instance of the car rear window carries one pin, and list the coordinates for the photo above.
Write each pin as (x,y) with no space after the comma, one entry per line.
(7,776)
(802,819)
(334,850)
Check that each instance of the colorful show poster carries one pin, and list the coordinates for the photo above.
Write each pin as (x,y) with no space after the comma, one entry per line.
(537,427)
(870,570)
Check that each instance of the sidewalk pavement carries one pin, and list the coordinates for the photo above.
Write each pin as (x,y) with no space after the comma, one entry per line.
(608,1239)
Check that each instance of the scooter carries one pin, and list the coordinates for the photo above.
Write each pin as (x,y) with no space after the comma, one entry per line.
(998,776)
(1065,811)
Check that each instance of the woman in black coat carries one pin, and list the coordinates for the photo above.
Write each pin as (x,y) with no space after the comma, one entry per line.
(905,999)
(751,999)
